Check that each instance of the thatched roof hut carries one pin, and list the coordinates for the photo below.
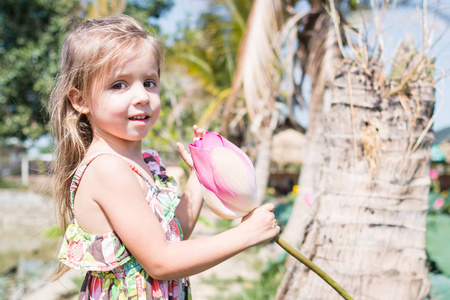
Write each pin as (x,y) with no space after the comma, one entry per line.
(287,147)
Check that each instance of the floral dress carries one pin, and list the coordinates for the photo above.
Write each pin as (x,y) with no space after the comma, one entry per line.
(112,272)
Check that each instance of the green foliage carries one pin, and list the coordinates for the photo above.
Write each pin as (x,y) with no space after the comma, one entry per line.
(438,242)
(266,286)
(440,287)
(224,224)
(208,54)
(282,213)
(204,221)
(141,10)
(283,209)
(53,232)
(31,33)
(209,50)
(435,197)
(11,184)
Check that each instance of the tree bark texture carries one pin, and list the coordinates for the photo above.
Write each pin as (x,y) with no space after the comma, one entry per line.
(319,54)
(262,162)
(368,232)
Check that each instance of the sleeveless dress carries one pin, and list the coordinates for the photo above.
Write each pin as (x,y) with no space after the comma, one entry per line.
(112,272)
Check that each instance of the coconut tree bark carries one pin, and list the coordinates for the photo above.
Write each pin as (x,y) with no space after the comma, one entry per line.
(319,54)
(262,161)
(368,232)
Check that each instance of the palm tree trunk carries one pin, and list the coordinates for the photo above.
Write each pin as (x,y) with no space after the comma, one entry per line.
(319,54)
(305,205)
(369,229)
(262,162)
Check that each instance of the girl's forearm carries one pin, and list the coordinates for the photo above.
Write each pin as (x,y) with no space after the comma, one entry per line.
(190,205)
(170,261)
(191,257)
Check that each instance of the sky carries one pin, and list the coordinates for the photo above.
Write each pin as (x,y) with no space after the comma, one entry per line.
(409,21)
(396,24)
(181,11)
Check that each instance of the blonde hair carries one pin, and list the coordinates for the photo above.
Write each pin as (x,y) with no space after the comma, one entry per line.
(88,54)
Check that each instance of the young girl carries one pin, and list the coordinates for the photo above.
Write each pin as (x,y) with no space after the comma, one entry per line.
(128,228)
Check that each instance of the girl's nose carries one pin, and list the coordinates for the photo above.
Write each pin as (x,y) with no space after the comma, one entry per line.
(140,95)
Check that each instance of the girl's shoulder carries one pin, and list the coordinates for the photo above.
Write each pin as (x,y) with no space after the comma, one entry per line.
(105,164)
(109,168)
(103,175)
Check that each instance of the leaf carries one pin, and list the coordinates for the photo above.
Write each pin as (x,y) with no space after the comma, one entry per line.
(257,60)
(438,241)
(282,213)
(440,287)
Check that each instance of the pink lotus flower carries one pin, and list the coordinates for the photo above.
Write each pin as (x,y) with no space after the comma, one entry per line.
(227,177)
(438,203)
(434,174)
(226,174)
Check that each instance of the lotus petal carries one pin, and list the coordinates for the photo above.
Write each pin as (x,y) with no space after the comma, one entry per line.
(217,207)
(234,179)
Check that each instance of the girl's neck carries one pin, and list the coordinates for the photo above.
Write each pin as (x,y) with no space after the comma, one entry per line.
(131,150)
(128,149)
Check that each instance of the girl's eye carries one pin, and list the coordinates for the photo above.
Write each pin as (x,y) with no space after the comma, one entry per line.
(149,84)
(118,86)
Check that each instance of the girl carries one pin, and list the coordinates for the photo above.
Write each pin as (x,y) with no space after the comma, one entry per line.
(128,228)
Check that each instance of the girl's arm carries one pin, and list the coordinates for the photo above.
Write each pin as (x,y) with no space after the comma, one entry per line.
(191,201)
(190,205)
(116,190)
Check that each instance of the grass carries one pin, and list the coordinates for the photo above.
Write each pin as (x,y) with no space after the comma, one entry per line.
(261,288)
(37,183)
(10,183)
(266,286)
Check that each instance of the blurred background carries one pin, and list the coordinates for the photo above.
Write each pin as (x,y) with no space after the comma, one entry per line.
(328,98)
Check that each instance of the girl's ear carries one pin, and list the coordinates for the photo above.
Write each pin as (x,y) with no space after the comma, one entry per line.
(77,102)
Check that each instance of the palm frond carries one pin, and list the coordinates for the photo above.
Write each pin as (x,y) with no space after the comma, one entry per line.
(236,14)
(201,64)
(208,52)
(256,61)
(319,54)
(212,108)
(102,8)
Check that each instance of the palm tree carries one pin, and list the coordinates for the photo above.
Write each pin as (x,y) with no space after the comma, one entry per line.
(207,53)
(319,55)
(237,67)
(256,75)
(366,172)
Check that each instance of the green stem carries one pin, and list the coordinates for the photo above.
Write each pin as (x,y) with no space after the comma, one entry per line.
(312,266)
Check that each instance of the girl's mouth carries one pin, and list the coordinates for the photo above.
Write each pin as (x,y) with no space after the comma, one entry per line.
(137,118)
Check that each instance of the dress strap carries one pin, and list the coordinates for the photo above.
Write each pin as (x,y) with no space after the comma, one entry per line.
(82,168)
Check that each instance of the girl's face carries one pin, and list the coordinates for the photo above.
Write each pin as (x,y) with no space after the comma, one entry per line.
(127,104)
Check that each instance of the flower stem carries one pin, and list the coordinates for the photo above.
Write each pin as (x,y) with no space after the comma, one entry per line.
(289,249)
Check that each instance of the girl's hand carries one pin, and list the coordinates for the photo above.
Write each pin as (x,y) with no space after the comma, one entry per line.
(260,225)
(198,133)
